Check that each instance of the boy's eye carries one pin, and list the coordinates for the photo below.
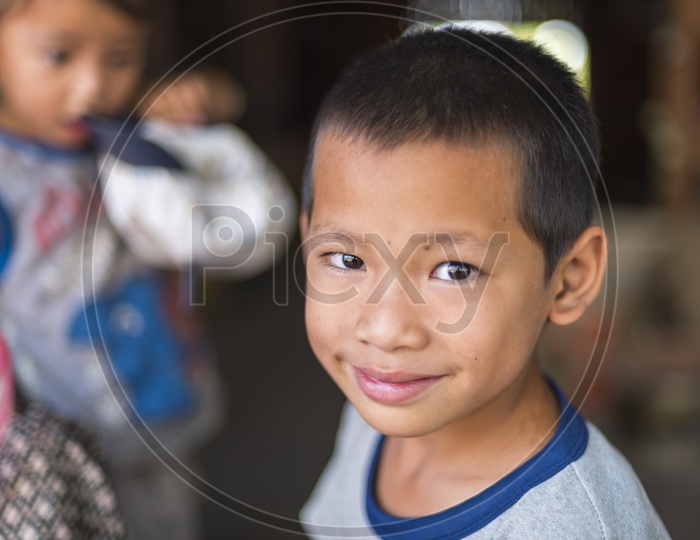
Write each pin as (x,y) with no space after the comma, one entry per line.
(347,261)
(58,56)
(454,271)
(120,60)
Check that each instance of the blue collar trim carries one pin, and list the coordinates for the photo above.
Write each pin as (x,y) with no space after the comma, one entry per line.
(39,150)
(567,445)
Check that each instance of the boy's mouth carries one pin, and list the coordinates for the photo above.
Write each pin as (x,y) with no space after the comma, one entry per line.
(392,388)
(78,129)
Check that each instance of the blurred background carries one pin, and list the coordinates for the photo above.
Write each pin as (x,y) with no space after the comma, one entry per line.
(639,382)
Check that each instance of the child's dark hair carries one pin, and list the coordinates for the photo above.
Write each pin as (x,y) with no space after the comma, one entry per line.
(143,10)
(459,86)
(150,12)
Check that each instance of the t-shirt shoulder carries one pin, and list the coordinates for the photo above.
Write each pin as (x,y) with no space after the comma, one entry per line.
(597,497)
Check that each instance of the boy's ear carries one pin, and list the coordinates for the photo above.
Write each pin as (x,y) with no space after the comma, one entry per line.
(579,276)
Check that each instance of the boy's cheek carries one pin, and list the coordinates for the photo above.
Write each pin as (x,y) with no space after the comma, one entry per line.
(330,289)
(314,331)
(327,327)
(316,324)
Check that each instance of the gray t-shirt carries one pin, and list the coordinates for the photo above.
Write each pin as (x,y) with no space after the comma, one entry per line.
(579,486)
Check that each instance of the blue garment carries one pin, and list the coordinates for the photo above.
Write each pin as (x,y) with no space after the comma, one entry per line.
(129,325)
(5,238)
(578,486)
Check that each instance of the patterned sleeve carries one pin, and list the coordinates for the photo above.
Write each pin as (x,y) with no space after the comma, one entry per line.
(51,483)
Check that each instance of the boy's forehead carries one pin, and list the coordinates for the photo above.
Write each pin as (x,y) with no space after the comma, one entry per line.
(340,155)
(428,183)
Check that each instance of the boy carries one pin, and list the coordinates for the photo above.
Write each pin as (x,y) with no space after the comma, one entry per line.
(448,201)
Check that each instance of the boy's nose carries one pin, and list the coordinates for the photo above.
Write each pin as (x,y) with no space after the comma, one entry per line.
(395,321)
(89,89)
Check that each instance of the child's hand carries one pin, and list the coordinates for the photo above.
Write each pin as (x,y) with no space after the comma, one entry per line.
(198,97)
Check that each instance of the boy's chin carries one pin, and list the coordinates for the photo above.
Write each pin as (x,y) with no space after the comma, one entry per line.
(396,420)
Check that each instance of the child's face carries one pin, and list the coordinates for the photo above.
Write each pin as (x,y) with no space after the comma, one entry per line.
(392,249)
(63,59)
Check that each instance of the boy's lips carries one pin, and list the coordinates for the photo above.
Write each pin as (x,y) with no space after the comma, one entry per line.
(78,128)
(394,387)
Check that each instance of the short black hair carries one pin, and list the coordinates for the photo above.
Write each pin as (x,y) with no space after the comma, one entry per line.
(142,10)
(463,86)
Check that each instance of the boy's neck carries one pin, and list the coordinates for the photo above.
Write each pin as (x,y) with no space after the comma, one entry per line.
(423,475)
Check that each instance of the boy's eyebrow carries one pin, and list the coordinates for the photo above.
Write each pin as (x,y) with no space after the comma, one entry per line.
(66,36)
(331,233)
(460,238)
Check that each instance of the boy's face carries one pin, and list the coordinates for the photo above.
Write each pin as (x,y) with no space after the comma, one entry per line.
(397,311)
(63,59)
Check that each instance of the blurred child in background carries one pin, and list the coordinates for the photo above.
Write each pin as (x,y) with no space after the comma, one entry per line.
(52,484)
(125,349)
